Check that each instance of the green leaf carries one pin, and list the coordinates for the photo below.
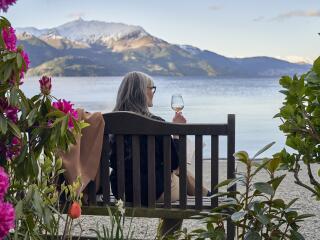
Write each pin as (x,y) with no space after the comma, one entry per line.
(273,164)
(223,183)
(276,181)
(303,216)
(242,156)
(58,120)
(32,116)
(19,60)
(7,73)
(237,216)
(295,235)
(265,148)
(264,188)
(285,81)
(263,219)
(14,97)
(252,235)
(64,125)
(15,130)
(278,203)
(19,210)
(57,113)
(292,202)
(3,124)
(316,66)
(260,166)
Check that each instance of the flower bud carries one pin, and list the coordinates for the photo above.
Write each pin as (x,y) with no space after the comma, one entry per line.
(45,85)
(74,210)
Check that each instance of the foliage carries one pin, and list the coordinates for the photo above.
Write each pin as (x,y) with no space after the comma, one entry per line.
(301,124)
(116,228)
(256,212)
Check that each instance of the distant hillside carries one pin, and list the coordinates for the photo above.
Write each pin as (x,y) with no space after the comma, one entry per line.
(95,48)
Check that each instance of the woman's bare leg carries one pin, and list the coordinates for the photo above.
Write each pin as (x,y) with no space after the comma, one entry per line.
(191,184)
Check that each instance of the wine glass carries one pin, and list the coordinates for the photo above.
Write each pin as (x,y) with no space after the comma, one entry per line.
(177,102)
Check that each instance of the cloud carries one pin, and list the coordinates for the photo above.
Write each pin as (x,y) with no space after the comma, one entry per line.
(76,15)
(258,19)
(297,13)
(215,7)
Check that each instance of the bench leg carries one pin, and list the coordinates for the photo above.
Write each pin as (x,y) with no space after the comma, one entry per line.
(168,226)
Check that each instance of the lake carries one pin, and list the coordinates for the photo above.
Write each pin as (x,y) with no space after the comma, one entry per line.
(207,100)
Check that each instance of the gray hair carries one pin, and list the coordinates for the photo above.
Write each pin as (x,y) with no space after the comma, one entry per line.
(132,93)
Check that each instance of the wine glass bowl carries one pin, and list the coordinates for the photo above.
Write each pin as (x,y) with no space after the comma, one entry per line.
(177,103)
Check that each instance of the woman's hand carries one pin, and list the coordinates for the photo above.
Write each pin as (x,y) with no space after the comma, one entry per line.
(179,118)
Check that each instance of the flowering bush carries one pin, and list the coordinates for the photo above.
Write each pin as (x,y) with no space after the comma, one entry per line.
(7,214)
(4,4)
(32,133)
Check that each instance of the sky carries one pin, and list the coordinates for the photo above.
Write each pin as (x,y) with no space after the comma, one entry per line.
(286,29)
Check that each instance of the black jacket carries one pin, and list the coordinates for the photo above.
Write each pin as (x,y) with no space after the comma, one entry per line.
(159,171)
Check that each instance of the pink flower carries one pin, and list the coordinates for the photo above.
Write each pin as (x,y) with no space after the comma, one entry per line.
(27,62)
(9,36)
(13,149)
(9,111)
(12,113)
(7,216)
(45,85)
(66,107)
(4,4)
(4,183)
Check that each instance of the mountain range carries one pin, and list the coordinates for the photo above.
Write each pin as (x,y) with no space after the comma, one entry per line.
(96,48)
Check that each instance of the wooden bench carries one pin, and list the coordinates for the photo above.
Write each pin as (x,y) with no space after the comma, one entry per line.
(128,123)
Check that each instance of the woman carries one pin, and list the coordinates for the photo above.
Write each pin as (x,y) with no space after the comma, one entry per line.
(135,94)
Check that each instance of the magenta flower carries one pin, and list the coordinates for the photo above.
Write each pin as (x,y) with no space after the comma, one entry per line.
(13,149)
(4,183)
(27,62)
(9,36)
(66,107)
(12,113)
(4,4)
(45,85)
(7,216)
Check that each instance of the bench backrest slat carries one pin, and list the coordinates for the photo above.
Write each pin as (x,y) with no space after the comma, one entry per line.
(183,171)
(167,170)
(105,170)
(151,172)
(120,166)
(135,124)
(136,171)
(198,171)
(214,168)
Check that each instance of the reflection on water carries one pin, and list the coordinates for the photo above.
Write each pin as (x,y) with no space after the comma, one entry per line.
(254,101)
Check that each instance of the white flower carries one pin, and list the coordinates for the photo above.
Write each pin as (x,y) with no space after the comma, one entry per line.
(120,207)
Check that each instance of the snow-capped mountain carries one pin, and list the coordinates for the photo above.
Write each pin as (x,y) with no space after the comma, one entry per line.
(100,48)
(89,31)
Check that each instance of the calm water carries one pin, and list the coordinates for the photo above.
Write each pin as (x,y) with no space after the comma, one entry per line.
(254,101)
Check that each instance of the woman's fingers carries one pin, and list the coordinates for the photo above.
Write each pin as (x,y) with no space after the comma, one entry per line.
(179,118)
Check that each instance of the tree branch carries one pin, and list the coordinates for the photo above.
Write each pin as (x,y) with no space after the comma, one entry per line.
(313,181)
(298,181)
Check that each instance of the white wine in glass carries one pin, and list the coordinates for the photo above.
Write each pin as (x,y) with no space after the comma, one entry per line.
(177,102)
